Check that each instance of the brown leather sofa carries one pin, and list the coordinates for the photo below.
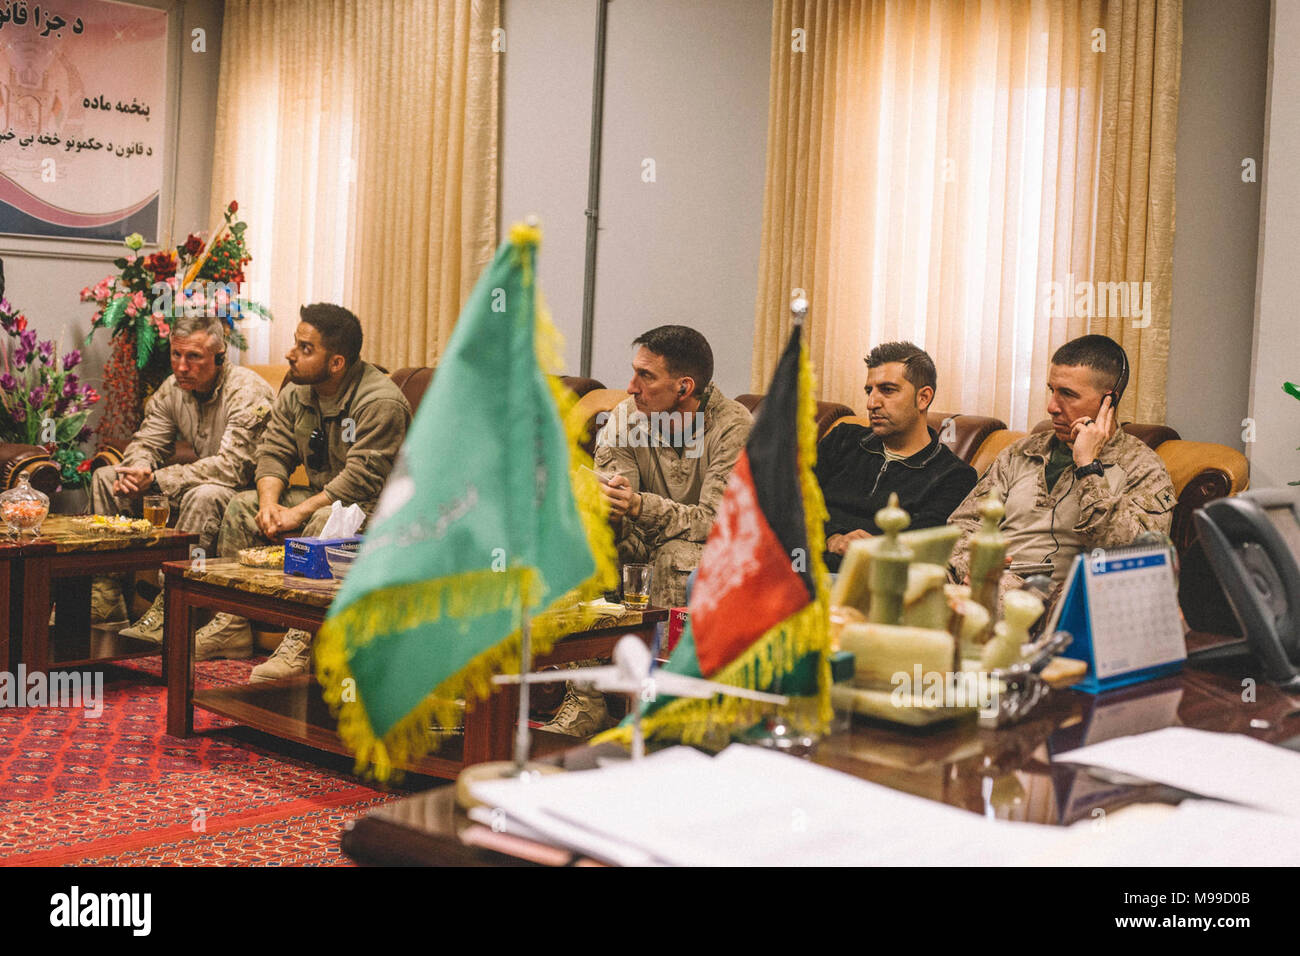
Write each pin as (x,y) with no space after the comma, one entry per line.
(17,460)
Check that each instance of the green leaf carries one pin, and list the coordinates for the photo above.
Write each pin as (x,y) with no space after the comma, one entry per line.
(145,337)
(120,263)
(256,308)
(1291,389)
(113,312)
(67,429)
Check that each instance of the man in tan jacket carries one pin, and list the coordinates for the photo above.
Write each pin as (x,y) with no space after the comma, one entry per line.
(343,420)
(1083,485)
(218,409)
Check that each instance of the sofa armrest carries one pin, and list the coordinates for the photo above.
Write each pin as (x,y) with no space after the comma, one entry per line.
(33,461)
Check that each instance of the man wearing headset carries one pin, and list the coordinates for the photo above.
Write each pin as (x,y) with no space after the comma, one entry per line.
(219,410)
(343,420)
(1084,484)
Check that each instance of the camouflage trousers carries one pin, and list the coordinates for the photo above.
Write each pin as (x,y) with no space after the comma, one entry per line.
(198,510)
(673,561)
(239,529)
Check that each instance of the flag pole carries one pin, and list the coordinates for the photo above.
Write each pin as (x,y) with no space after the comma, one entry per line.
(525,666)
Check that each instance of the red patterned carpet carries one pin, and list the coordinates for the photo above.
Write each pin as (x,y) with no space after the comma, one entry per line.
(118,791)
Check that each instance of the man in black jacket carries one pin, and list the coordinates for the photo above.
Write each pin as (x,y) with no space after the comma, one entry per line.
(858,467)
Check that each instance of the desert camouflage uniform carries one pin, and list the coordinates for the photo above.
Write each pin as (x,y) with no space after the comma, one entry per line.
(224,431)
(364,422)
(679,494)
(1077,515)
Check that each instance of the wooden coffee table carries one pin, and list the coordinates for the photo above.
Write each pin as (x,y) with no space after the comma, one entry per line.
(57,567)
(294,709)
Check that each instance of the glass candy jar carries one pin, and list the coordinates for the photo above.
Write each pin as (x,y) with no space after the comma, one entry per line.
(23,508)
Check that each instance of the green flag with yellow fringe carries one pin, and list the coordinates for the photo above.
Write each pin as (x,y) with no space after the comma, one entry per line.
(479,523)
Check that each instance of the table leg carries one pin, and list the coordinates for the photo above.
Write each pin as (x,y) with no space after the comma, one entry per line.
(12,621)
(72,613)
(36,614)
(178,657)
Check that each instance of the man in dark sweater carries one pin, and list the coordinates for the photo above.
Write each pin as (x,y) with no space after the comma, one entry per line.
(859,467)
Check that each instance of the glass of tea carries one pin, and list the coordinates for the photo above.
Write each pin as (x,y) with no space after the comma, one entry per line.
(156,510)
(636,585)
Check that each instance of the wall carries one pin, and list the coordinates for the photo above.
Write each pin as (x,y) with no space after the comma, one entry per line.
(1220,123)
(1273,457)
(686,85)
(45,277)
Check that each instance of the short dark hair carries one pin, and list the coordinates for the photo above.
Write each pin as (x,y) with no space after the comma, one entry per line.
(1097,352)
(340,330)
(918,367)
(684,351)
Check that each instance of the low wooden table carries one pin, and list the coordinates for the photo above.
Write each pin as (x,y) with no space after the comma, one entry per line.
(294,709)
(57,567)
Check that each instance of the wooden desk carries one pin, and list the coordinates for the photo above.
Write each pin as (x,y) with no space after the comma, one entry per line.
(63,559)
(1007,773)
(294,709)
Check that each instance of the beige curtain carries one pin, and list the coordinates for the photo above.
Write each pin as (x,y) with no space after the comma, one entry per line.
(360,139)
(936,172)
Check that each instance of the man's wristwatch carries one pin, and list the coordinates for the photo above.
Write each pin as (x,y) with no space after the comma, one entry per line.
(1093,467)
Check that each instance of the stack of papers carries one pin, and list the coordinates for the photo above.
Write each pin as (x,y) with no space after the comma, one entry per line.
(753,807)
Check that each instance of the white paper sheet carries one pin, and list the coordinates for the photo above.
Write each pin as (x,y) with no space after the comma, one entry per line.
(751,807)
(1224,766)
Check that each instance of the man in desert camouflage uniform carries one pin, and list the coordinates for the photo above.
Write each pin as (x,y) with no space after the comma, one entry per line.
(668,481)
(670,448)
(1083,485)
(220,410)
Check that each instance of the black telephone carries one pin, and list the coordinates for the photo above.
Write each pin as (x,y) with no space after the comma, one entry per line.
(1252,541)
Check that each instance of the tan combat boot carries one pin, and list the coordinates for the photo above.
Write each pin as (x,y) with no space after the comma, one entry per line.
(224,636)
(292,657)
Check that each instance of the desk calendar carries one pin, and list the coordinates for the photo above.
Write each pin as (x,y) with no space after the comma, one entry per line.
(1121,606)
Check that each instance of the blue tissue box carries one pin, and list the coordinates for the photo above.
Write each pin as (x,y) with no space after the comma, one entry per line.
(305,557)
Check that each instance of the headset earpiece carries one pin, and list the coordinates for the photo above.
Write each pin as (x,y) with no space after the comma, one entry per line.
(220,359)
(681,392)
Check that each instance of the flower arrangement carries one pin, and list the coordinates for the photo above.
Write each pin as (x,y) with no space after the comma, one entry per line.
(150,292)
(42,399)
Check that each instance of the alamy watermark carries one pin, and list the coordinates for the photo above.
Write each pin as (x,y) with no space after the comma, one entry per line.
(977,689)
(1098,300)
(635,429)
(55,689)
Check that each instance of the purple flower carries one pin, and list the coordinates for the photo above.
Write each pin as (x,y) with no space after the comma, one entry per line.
(84,434)
(38,395)
(20,414)
(72,359)
(69,386)
(46,350)
(7,382)
(27,340)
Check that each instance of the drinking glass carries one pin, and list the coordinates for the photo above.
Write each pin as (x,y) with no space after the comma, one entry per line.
(636,585)
(156,510)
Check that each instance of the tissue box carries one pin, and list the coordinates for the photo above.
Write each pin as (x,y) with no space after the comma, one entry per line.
(305,557)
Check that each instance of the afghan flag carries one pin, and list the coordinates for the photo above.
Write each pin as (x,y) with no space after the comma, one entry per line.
(760,608)
(479,523)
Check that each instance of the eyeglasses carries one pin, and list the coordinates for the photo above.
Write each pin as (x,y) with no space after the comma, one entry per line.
(317,450)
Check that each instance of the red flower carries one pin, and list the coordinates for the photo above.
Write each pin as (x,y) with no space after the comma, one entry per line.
(234,206)
(161,264)
(92,396)
(193,245)
(84,466)
(20,323)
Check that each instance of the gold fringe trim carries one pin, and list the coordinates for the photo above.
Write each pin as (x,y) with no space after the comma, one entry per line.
(463,597)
